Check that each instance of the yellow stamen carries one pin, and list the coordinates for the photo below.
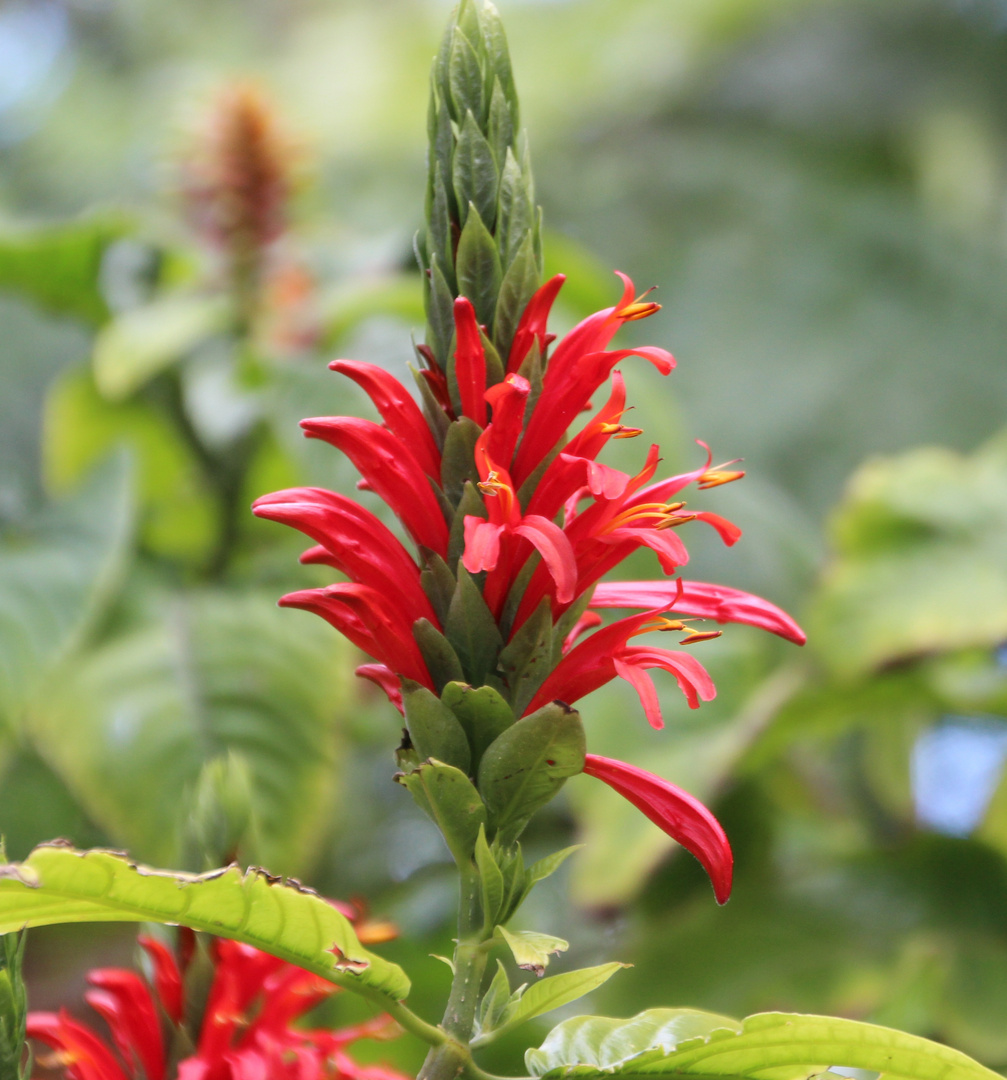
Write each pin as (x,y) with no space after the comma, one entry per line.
(494,487)
(720,474)
(639,309)
(696,636)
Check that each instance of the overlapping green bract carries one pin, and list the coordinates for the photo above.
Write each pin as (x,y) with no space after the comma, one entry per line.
(13,1008)
(482,238)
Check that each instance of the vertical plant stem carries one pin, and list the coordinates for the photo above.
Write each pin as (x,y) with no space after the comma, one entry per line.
(448,1060)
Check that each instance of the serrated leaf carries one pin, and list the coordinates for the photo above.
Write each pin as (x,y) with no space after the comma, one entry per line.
(133,347)
(57,573)
(440,658)
(477,267)
(528,764)
(449,799)
(532,951)
(434,728)
(483,712)
(491,881)
(518,285)
(769,1046)
(458,457)
(472,630)
(474,173)
(526,659)
(547,994)
(57,884)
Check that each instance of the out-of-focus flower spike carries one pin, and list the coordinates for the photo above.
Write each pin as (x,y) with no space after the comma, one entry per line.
(121,997)
(675,812)
(167,977)
(398,410)
(83,1054)
(392,472)
(470,362)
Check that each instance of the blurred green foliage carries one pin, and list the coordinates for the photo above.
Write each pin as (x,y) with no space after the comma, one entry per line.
(818,188)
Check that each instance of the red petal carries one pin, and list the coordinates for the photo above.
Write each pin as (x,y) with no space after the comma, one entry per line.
(385,678)
(693,679)
(507,400)
(729,532)
(716,602)
(643,684)
(533,322)
(90,1058)
(390,470)
(551,543)
(397,408)
(482,544)
(167,977)
(470,362)
(674,811)
(123,1000)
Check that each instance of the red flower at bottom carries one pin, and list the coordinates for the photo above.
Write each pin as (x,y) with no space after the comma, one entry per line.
(246,1031)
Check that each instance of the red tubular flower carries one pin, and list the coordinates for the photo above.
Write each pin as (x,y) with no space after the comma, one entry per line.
(247,1030)
(537,531)
(675,812)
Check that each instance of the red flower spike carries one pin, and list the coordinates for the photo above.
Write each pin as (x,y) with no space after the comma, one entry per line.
(675,812)
(390,470)
(532,325)
(398,410)
(717,602)
(167,977)
(470,362)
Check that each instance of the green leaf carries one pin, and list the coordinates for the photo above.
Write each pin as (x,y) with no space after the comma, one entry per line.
(478,267)
(483,713)
(440,658)
(547,994)
(516,210)
(494,1002)
(57,884)
(131,725)
(447,796)
(494,43)
(57,574)
(438,583)
(525,660)
(471,503)
(59,267)
(500,128)
(440,310)
(528,764)
(135,346)
(605,1043)
(474,173)
(921,562)
(458,457)
(472,630)
(465,78)
(177,514)
(532,951)
(547,866)
(434,728)
(491,881)
(768,1046)
(519,283)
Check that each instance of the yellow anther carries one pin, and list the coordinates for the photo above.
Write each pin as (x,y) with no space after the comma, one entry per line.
(720,474)
(696,636)
(635,311)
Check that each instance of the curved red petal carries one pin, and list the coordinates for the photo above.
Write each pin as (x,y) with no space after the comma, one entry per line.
(167,977)
(470,362)
(533,322)
(643,684)
(386,679)
(551,543)
(675,812)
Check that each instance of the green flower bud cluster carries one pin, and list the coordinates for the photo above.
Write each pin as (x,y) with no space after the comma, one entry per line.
(482,238)
(14,1062)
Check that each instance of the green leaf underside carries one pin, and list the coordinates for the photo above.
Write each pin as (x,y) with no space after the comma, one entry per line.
(447,796)
(767,1046)
(544,995)
(531,950)
(58,884)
